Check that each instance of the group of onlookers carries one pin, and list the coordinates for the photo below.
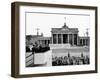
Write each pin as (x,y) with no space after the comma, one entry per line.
(37,48)
(70,60)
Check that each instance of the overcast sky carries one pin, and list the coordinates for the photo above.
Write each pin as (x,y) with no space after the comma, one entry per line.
(47,21)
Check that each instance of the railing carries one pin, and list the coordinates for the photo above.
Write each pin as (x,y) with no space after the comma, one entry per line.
(29,58)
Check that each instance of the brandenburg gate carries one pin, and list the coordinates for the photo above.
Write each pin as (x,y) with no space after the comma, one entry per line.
(65,35)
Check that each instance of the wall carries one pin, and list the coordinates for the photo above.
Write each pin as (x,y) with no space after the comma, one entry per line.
(5,40)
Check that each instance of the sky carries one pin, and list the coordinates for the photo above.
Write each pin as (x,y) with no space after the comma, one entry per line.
(47,21)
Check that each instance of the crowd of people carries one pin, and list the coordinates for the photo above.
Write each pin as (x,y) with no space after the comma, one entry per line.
(37,48)
(70,60)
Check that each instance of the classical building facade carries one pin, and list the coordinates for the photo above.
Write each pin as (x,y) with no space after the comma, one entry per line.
(84,41)
(66,35)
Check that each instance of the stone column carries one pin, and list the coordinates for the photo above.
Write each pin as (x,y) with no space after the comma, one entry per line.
(73,39)
(85,41)
(56,39)
(77,39)
(46,41)
(68,38)
(52,38)
(62,38)
(82,42)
